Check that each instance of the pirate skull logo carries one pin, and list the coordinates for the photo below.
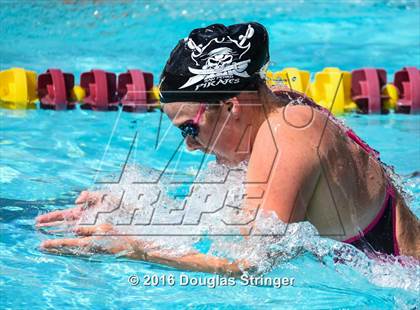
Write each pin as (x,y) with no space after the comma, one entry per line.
(221,62)
(219,58)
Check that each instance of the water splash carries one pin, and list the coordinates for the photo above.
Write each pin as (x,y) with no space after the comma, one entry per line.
(271,244)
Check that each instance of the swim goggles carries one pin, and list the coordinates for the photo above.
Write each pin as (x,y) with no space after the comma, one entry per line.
(191,128)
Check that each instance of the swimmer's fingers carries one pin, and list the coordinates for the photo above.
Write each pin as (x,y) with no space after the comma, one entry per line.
(85,200)
(64,225)
(61,215)
(70,242)
(103,229)
(76,246)
(88,246)
(50,216)
(90,198)
(82,197)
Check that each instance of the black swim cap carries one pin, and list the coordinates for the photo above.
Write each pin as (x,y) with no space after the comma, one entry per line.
(215,63)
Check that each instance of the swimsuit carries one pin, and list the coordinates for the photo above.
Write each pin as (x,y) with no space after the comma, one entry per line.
(380,234)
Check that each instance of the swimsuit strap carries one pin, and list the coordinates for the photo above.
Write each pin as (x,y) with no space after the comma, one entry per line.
(298,98)
(391,194)
(352,135)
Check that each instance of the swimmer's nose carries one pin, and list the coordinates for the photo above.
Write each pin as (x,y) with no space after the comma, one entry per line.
(192,144)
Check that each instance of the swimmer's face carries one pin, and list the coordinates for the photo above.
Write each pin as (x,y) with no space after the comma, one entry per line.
(219,129)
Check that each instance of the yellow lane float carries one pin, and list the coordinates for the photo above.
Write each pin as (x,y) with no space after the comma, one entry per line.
(391,92)
(18,89)
(332,90)
(78,93)
(298,80)
(338,91)
(155,96)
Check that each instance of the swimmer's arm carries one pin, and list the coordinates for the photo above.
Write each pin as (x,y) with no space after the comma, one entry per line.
(100,239)
(195,262)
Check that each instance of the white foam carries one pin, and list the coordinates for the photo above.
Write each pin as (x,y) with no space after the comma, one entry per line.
(216,199)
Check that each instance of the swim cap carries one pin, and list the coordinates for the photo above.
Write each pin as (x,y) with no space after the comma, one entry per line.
(215,63)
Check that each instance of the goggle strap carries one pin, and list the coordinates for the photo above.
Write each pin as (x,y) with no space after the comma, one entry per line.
(200,112)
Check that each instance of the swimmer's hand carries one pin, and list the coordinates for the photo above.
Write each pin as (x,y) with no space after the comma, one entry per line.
(58,218)
(99,239)
(104,239)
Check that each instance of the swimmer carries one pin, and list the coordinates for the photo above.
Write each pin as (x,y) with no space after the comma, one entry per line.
(302,163)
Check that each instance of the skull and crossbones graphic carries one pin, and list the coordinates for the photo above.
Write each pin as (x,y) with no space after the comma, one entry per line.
(219,58)
(220,61)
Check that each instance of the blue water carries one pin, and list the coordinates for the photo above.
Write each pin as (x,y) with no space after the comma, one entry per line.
(47,157)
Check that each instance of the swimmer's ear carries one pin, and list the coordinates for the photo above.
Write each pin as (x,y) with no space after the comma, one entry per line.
(233,107)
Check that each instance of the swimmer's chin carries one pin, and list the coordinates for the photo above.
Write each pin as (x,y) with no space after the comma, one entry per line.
(226,162)
(222,161)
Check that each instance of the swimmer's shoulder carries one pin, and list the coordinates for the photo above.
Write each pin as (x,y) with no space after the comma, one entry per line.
(293,131)
(293,122)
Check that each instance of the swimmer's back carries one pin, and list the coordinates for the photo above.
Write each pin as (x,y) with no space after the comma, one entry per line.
(350,188)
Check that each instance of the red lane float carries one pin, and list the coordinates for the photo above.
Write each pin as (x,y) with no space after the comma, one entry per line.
(366,86)
(100,88)
(134,90)
(407,82)
(54,90)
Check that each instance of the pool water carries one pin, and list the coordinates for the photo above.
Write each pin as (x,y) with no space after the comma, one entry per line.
(48,157)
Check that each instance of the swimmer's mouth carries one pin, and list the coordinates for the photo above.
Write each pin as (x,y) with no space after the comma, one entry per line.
(220,160)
